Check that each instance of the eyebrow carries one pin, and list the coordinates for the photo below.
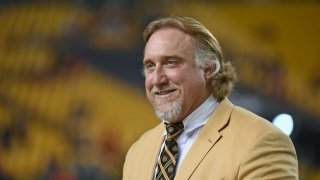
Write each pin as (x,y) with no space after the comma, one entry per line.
(165,57)
(146,61)
(174,56)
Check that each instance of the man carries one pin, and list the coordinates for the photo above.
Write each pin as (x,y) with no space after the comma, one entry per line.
(202,135)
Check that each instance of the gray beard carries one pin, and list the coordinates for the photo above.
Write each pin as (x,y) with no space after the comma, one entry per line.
(171,114)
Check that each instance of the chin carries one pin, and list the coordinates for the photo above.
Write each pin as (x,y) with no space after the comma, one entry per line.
(169,113)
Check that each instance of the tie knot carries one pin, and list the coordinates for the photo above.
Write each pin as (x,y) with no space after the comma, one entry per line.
(174,130)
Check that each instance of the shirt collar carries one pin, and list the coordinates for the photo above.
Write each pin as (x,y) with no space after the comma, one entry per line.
(200,116)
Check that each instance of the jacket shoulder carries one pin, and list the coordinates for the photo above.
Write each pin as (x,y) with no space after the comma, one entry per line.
(246,119)
(265,150)
(149,135)
(141,153)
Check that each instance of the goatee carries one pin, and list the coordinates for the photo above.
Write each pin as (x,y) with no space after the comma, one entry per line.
(169,115)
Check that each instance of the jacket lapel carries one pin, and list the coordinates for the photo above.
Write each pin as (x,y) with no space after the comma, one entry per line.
(207,138)
(153,151)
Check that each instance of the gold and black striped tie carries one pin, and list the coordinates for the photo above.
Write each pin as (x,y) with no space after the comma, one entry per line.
(168,158)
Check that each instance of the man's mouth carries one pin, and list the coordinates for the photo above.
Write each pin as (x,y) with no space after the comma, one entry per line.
(164,92)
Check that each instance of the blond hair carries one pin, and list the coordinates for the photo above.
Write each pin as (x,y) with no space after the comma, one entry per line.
(207,51)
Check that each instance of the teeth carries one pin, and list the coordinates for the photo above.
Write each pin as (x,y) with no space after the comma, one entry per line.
(164,92)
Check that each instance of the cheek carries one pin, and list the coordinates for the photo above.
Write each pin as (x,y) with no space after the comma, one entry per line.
(148,87)
(195,84)
(147,83)
(176,77)
(148,95)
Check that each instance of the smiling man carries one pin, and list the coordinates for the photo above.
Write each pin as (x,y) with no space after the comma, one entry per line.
(202,135)
(175,85)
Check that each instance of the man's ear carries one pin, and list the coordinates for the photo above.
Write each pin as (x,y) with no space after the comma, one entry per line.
(208,70)
(211,69)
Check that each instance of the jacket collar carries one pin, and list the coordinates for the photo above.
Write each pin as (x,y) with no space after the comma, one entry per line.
(208,137)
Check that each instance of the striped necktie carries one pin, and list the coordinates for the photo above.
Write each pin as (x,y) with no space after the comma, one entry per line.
(169,154)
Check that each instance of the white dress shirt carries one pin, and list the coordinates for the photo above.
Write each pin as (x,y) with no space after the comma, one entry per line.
(193,124)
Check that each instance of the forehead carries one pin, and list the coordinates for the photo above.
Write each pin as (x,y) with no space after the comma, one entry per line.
(169,42)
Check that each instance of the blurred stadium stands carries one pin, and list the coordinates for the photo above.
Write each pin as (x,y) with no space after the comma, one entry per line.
(71,90)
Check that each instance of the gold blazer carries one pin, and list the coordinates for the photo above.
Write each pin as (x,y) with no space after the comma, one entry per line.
(234,144)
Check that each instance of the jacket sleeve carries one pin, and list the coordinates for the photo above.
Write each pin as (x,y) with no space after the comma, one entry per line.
(271,156)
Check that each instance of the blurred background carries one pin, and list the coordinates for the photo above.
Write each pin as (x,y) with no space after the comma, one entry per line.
(72,94)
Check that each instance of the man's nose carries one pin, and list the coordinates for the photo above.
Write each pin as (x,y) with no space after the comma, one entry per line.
(159,77)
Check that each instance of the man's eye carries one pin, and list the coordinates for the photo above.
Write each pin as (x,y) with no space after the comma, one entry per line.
(172,63)
(148,66)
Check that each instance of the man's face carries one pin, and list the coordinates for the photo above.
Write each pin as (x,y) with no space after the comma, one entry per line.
(175,85)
